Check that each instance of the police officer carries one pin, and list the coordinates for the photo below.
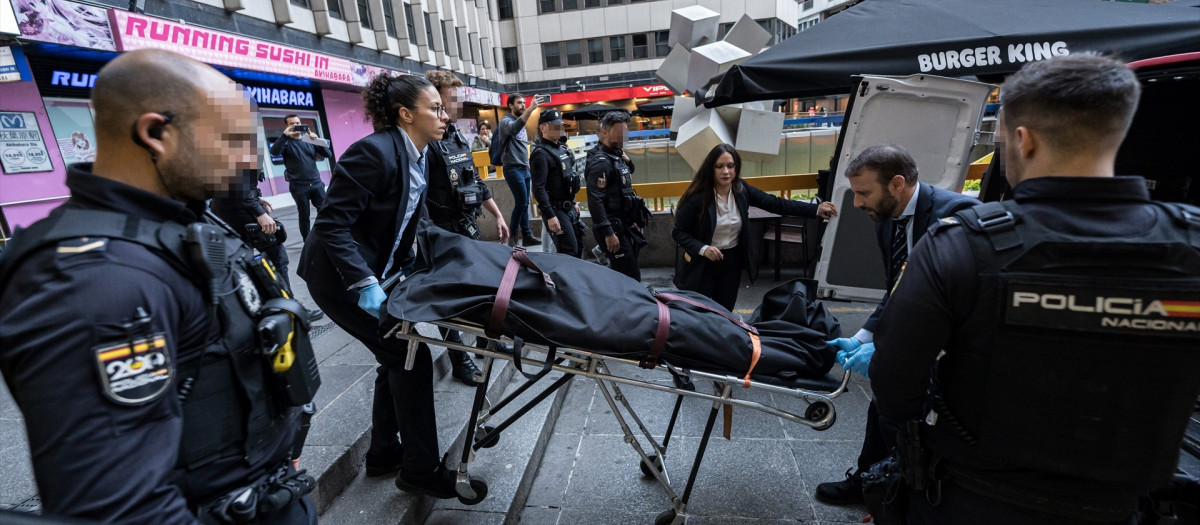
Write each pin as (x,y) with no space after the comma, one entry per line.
(454,199)
(1041,352)
(555,183)
(128,325)
(618,214)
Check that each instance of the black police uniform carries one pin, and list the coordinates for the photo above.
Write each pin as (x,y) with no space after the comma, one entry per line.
(453,200)
(1068,320)
(555,183)
(145,393)
(242,207)
(615,208)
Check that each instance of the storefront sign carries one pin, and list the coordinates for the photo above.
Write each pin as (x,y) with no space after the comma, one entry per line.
(215,47)
(21,147)
(266,96)
(64,22)
(478,96)
(9,72)
(72,79)
(601,95)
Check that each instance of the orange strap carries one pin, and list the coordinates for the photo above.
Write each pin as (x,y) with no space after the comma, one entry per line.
(757,344)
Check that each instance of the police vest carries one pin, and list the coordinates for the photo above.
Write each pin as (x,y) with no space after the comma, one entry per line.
(617,183)
(238,394)
(1085,361)
(563,179)
(454,189)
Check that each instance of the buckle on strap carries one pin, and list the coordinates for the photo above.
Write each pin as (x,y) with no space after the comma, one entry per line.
(999,224)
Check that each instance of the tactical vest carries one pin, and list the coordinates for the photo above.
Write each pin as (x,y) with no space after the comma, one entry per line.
(243,390)
(454,191)
(563,179)
(617,181)
(1083,360)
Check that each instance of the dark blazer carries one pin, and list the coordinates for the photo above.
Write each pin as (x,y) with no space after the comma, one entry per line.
(933,204)
(692,232)
(368,194)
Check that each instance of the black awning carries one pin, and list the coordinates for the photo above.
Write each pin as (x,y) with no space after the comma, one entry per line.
(592,112)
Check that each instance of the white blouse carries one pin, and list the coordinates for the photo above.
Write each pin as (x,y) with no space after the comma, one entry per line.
(729,222)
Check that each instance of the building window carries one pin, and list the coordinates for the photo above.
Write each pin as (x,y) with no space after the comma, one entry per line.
(724,30)
(510,60)
(575,53)
(661,48)
(595,51)
(506,10)
(335,9)
(550,56)
(301,3)
(429,32)
(408,23)
(808,5)
(364,14)
(546,6)
(445,38)
(616,48)
(389,18)
(641,46)
(591,3)
(569,5)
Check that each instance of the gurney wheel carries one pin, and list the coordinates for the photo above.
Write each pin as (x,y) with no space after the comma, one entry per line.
(481,490)
(658,465)
(488,438)
(668,517)
(817,411)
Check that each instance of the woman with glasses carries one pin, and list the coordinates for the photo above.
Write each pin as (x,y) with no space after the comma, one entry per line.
(362,237)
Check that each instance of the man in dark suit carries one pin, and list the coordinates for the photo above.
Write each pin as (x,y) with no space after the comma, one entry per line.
(300,168)
(884,181)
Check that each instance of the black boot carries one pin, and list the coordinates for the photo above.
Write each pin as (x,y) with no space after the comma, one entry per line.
(845,492)
(463,367)
(439,483)
(386,463)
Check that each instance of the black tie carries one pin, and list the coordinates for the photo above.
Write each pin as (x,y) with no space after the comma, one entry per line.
(899,248)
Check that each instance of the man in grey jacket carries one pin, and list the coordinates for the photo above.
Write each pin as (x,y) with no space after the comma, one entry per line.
(300,169)
(511,134)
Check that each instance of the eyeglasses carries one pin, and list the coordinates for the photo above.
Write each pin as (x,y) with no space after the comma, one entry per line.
(438,110)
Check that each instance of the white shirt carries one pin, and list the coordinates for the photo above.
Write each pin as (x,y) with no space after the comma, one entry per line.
(729,223)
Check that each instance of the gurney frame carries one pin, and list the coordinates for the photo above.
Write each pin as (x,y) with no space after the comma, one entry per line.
(820,413)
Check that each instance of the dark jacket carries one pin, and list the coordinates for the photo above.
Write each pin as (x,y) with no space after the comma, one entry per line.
(368,194)
(933,204)
(693,230)
(299,158)
(550,187)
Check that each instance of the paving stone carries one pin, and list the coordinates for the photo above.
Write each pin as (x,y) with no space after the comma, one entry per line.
(746,478)
(826,461)
(16,477)
(348,405)
(464,517)
(553,476)
(540,516)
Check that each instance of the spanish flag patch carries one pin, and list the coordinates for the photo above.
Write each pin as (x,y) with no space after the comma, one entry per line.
(134,371)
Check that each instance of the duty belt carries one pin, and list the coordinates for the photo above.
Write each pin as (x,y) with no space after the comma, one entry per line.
(268,494)
(566,205)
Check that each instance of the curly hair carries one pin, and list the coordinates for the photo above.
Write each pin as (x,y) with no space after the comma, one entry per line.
(386,94)
(443,79)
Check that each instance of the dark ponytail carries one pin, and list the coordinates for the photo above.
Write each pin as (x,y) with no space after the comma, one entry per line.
(386,94)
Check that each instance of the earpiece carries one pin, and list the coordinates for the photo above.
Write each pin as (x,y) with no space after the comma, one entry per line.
(155,131)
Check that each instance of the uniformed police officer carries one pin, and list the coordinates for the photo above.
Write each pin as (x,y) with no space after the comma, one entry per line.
(617,211)
(128,325)
(455,196)
(1041,352)
(555,183)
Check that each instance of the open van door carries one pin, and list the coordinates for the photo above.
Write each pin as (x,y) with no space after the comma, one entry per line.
(937,120)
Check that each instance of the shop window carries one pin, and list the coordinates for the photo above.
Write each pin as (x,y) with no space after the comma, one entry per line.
(550,56)
(575,53)
(546,6)
(429,33)
(641,46)
(661,48)
(408,22)
(74,131)
(364,14)
(335,9)
(511,64)
(616,48)
(389,18)
(595,51)
(506,9)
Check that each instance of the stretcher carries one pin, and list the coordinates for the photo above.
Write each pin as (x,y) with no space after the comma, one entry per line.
(817,394)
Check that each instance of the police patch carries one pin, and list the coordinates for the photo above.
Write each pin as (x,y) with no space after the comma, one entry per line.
(453,175)
(1092,307)
(133,372)
(247,291)
(601,182)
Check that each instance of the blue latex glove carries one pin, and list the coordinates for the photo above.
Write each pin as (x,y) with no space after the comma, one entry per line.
(371,298)
(860,362)
(846,347)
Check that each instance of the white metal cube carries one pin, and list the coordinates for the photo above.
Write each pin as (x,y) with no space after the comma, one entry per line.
(693,26)
(758,134)
(685,109)
(700,135)
(674,70)
(747,35)
(709,60)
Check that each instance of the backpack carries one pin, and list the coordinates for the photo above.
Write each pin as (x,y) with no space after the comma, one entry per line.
(496,148)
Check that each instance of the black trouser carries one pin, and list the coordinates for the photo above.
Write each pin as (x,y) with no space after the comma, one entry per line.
(403,401)
(570,241)
(958,505)
(721,279)
(625,260)
(875,447)
(303,192)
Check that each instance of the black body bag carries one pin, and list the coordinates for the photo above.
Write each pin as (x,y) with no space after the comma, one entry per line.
(559,300)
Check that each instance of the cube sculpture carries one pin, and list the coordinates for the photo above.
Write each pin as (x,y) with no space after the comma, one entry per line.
(758,134)
(693,26)
(731,114)
(685,109)
(709,60)
(700,135)
(747,35)
(674,70)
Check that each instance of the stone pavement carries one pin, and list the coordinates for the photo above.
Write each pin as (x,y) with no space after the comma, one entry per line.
(565,462)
